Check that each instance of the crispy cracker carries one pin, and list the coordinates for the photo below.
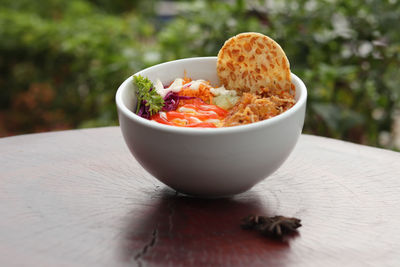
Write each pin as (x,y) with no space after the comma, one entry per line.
(253,62)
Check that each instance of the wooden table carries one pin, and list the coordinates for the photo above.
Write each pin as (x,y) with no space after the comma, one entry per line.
(78,198)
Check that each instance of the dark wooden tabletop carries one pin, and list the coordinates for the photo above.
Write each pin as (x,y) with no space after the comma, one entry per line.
(78,198)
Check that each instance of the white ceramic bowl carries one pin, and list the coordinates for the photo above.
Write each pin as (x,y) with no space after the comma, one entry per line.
(203,161)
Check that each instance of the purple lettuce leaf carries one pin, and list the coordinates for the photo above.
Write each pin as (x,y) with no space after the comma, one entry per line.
(171,101)
(144,111)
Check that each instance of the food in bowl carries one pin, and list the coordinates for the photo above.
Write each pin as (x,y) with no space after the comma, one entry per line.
(207,162)
(256,85)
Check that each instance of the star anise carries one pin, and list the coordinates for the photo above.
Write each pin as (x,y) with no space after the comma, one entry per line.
(276,227)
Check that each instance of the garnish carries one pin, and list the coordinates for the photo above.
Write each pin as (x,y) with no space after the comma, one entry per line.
(149,101)
(276,227)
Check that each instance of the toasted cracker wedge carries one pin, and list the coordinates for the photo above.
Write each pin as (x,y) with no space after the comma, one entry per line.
(253,62)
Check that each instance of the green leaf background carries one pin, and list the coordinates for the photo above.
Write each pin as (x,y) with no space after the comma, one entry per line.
(62,61)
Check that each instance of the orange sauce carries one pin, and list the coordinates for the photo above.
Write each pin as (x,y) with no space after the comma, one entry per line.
(194,113)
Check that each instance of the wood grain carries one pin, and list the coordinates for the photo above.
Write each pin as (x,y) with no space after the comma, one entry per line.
(78,198)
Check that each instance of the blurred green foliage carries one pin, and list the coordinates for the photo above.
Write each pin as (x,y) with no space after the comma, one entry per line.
(62,61)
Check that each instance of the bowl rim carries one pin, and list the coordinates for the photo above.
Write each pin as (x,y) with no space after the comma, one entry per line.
(206,131)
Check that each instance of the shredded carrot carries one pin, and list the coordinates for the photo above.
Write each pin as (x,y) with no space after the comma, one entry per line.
(203,93)
(186,79)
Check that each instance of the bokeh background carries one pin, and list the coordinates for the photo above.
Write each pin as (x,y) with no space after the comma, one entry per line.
(61,61)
